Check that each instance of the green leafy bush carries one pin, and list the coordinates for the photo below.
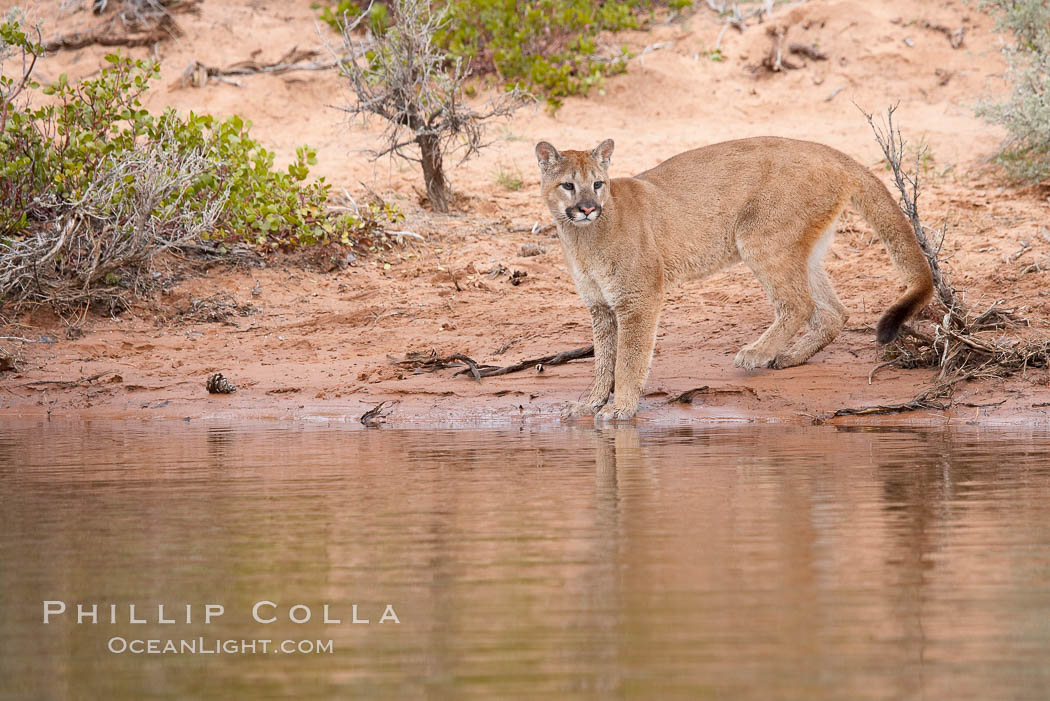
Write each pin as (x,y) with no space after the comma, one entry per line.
(1026,112)
(548,46)
(52,153)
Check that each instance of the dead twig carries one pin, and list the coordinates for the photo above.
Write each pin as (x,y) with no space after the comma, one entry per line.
(101,37)
(834,94)
(913,405)
(1025,246)
(503,349)
(955,36)
(878,367)
(375,416)
(892,142)
(69,383)
(808,51)
(535,228)
(983,406)
(688,396)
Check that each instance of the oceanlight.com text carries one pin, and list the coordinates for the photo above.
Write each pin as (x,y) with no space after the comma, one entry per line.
(213,646)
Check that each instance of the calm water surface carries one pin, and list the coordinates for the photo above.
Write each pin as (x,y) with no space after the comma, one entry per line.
(568,563)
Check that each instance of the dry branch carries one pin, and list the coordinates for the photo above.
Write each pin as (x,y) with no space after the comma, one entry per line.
(141,23)
(432,362)
(102,36)
(920,403)
(688,396)
(197,74)
(555,359)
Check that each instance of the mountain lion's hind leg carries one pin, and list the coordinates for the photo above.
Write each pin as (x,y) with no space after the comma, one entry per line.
(786,282)
(825,323)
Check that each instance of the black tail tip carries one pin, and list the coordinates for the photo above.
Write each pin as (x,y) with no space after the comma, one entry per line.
(890,323)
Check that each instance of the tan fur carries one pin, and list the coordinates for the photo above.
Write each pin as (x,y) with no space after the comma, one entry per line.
(769,202)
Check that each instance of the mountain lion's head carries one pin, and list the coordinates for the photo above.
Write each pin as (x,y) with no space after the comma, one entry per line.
(574,183)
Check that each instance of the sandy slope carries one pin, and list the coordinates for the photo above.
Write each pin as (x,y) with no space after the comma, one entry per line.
(319,344)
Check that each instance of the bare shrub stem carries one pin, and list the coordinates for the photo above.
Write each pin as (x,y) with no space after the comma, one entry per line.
(404,78)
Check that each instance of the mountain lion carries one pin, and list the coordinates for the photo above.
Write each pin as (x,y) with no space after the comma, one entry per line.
(769,202)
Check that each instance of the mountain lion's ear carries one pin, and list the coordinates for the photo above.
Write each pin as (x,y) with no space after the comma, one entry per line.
(603,154)
(547,155)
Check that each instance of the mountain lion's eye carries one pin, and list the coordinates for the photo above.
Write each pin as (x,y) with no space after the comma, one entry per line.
(569,187)
(598,185)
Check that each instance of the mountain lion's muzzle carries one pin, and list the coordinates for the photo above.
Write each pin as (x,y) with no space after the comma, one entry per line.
(584,212)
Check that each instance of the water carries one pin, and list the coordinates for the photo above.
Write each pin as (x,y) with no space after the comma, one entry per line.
(566,563)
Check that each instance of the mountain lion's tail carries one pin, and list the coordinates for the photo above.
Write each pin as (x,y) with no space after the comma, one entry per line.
(878,207)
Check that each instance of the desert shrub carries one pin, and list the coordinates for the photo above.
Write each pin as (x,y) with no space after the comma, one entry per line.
(99,248)
(1025,113)
(92,185)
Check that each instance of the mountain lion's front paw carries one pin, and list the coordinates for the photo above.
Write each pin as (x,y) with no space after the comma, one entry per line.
(613,413)
(749,359)
(574,409)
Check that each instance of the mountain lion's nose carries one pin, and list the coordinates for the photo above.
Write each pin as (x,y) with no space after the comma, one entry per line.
(587,210)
